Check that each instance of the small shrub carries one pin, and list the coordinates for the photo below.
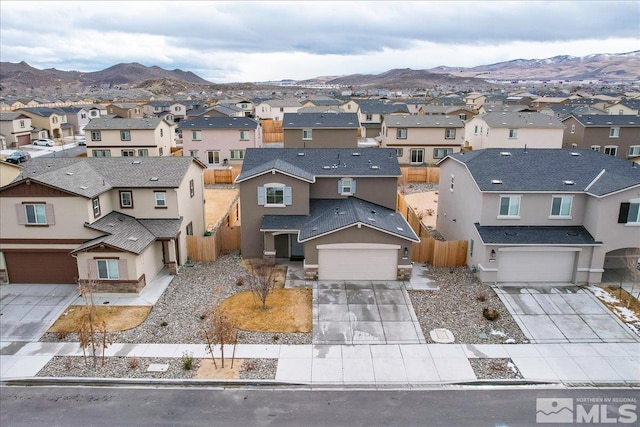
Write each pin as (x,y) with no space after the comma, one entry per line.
(240,281)
(61,335)
(275,338)
(187,361)
(67,364)
(490,314)
(203,316)
(250,367)
(163,323)
(133,363)
(482,296)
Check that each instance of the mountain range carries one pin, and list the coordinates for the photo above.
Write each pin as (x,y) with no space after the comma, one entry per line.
(21,78)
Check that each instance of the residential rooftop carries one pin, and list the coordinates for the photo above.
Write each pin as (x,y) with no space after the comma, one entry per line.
(320,120)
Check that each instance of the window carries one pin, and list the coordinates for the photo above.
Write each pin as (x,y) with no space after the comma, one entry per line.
(101,153)
(96,207)
(509,206)
(630,212)
(160,151)
(21,123)
(83,116)
(107,269)
(561,206)
(462,116)
(475,130)
(417,155)
(95,135)
(573,129)
(513,133)
(54,119)
(94,113)
(401,133)
(36,214)
(620,112)
(449,134)
(125,135)
(611,150)
(161,199)
(614,132)
(128,153)
(126,199)
(136,111)
(346,186)
(274,195)
(193,153)
(399,152)
(143,152)
(439,153)
(595,148)
(196,135)
(451,183)
(190,229)
(244,135)
(634,151)
(368,117)
(178,108)
(192,188)
(237,154)
(213,157)
(307,134)
(161,132)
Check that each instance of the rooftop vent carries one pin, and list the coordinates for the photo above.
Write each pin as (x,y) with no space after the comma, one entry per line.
(496,181)
(133,239)
(136,162)
(355,154)
(70,173)
(568,182)
(371,219)
(399,228)
(505,153)
(575,154)
(326,167)
(375,167)
(83,187)
(153,178)
(300,154)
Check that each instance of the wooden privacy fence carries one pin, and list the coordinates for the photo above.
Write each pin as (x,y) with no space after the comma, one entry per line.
(220,176)
(420,174)
(272,131)
(208,248)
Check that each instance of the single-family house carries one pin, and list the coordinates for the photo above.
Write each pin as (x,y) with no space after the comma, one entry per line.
(333,208)
(16,127)
(320,130)
(474,100)
(464,113)
(116,137)
(625,107)
(547,101)
(422,139)
(540,215)
(78,118)
(371,112)
(244,105)
(126,110)
(220,141)
(177,110)
(615,135)
(513,130)
(51,120)
(275,109)
(115,221)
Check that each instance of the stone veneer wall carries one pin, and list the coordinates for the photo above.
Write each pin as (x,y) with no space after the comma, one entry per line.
(119,286)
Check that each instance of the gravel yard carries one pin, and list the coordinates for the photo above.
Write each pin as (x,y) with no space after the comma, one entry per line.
(492,369)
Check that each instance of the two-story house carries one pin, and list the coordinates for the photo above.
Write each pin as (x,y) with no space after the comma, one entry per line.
(125,110)
(513,130)
(53,121)
(16,127)
(474,100)
(177,110)
(115,137)
(275,109)
(78,118)
(334,208)
(540,215)
(625,107)
(371,112)
(116,221)
(615,135)
(422,139)
(220,141)
(320,130)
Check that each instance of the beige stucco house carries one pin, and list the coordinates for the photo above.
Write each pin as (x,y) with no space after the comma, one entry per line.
(16,127)
(115,137)
(117,221)
(126,110)
(51,120)
(540,215)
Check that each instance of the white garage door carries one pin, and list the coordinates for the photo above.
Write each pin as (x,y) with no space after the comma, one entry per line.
(357,262)
(536,266)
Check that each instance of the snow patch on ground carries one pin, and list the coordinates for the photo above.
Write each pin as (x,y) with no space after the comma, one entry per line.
(498,333)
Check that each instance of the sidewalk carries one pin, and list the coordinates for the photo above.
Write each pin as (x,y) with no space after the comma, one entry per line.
(385,364)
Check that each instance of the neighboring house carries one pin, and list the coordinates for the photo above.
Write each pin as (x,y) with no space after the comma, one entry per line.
(126,110)
(422,139)
(334,208)
(561,112)
(220,141)
(320,130)
(116,221)
(51,120)
(78,118)
(513,130)
(464,113)
(547,101)
(540,215)
(322,102)
(244,105)
(16,127)
(115,137)
(615,135)
(275,109)
(371,113)
(8,172)
(327,109)
(625,107)
(493,108)
(474,100)
(414,104)
(96,110)
(177,110)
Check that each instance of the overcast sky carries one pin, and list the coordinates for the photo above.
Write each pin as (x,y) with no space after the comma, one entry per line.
(258,41)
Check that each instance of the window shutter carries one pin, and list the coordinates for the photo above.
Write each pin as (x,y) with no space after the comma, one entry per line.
(51,218)
(340,186)
(624,213)
(353,187)
(287,195)
(262,196)
(21,213)
(123,273)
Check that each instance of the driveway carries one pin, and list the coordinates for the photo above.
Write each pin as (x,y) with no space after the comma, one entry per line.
(562,314)
(27,311)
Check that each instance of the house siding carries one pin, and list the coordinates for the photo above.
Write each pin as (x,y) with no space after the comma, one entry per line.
(322,138)
(382,191)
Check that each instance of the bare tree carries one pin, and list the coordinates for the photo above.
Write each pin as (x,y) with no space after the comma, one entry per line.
(92,334)
(261,281)
(632,262)
(219,329)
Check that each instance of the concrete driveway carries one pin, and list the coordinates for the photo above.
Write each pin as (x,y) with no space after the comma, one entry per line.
(562,314)
(27,311)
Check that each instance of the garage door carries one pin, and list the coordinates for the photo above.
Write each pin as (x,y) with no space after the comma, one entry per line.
(536,266)
(41,267)
(357,262)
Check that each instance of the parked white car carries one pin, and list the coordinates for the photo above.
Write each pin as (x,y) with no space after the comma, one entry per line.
(44,141)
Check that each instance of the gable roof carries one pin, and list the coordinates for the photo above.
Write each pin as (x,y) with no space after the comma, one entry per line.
(90,176)
(604,120)
(320,120)
(219,123)
(535,235)
(521,120)
(44,111)
(372,106)
(10,116)
(110,123)
(308,163)
(288,102)
(423,121)
(548,170)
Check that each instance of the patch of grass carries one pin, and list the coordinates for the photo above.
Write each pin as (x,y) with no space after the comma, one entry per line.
(187,361)
(288,310)
(116,317)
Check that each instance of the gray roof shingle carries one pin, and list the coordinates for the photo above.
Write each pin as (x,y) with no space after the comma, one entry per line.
(320,120)
(535,235)
(423,121)
(521,120)
(201,123)
(604,120)
(103,123)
